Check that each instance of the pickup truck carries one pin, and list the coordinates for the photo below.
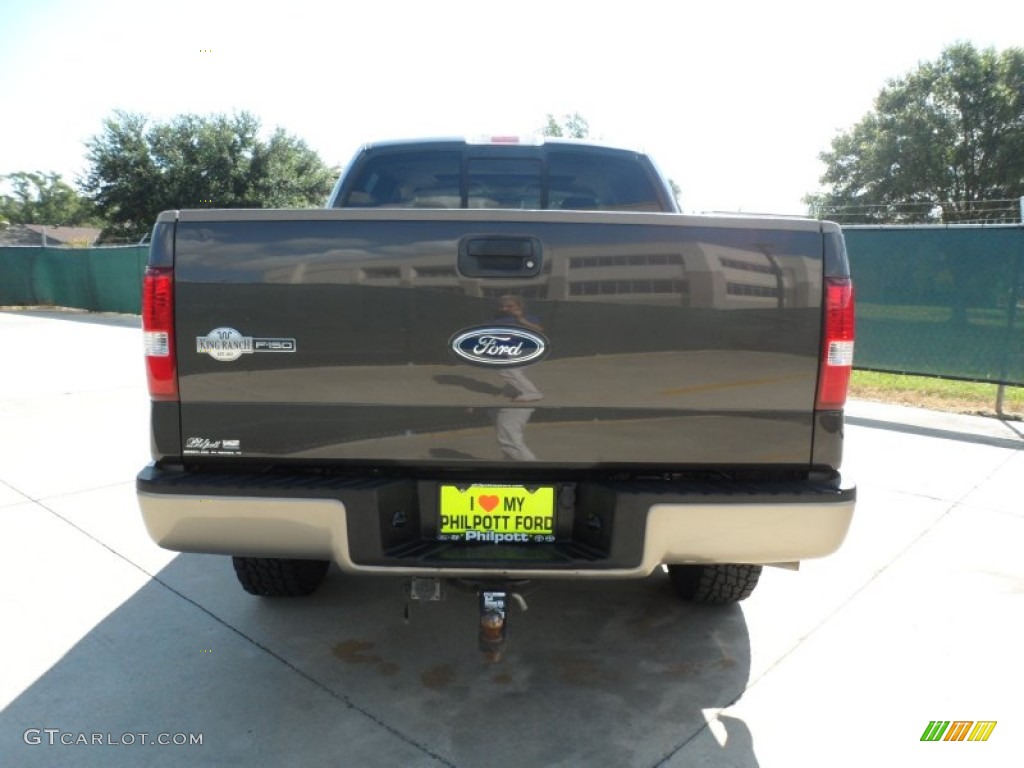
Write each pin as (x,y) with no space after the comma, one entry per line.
(494,362)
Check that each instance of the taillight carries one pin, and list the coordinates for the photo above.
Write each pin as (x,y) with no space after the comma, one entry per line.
(158,333)
(837,344)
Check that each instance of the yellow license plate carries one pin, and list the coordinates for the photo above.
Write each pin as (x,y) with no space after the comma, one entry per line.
(500,514)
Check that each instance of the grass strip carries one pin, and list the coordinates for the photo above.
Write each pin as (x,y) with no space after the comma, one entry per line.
(937,394)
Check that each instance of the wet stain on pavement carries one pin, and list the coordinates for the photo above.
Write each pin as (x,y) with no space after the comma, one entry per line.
(438,678)
(356,652)
(360,652)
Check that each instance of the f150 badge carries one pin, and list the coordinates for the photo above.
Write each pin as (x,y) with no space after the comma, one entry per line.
(502,346)
(227,344)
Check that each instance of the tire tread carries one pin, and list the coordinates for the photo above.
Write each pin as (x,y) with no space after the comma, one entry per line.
(718,584)
(279,577)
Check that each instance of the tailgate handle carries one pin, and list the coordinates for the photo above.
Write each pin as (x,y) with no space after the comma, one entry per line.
(499,256)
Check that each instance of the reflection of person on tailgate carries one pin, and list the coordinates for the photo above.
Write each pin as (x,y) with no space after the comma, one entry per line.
(512,312)
(510,423)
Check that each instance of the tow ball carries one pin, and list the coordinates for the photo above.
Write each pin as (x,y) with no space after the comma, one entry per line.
(493,622)
(493,600)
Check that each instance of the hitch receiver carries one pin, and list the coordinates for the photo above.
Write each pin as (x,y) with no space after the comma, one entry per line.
(493,622)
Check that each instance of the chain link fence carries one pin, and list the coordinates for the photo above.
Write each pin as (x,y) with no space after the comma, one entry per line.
(97,279)
(1005,211)
(940,300)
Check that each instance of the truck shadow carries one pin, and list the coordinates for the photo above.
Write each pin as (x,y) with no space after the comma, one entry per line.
(596,674)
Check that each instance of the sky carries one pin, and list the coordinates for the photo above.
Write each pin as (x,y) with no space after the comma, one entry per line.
(733,100)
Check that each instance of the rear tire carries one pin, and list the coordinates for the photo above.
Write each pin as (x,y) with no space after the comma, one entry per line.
(277,577)
(714,584)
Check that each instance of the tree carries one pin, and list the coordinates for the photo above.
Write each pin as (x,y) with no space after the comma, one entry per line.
(139,169)
(943,143)
(573,126)
(44,198)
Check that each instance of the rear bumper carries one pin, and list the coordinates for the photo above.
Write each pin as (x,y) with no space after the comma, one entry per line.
(613,530)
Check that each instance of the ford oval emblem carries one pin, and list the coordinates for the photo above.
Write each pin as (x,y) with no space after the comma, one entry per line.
(503,346)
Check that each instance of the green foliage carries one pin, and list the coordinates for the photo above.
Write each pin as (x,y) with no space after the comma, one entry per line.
(573,126)
(44,198)
(944,143)
(139,169)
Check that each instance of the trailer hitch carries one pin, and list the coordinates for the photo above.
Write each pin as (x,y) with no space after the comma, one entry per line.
(494,610)
(494,600)
(493,623)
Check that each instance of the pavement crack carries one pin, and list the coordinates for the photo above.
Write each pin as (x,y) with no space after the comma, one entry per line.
(21,493)
(339,697)
(884,569)
(706,727)
(831,614)
(77,492)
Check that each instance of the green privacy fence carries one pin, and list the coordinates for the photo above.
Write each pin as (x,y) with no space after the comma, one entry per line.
(99,279)
(942,301)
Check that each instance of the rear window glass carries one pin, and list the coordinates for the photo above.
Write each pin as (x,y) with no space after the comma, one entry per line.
(504,182)
(577,182)
(408,180)
(573,180)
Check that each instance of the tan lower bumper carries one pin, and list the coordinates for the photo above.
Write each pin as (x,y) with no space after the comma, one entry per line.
(676,533)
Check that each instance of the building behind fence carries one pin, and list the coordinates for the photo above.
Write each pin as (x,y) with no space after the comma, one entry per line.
(932,300)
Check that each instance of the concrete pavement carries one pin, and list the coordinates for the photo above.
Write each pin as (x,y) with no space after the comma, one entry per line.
(917,618)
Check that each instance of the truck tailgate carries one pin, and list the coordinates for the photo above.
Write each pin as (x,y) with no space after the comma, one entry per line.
(328,336)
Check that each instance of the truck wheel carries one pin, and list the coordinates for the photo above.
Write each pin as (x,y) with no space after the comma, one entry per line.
(714,584)
(277,577)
